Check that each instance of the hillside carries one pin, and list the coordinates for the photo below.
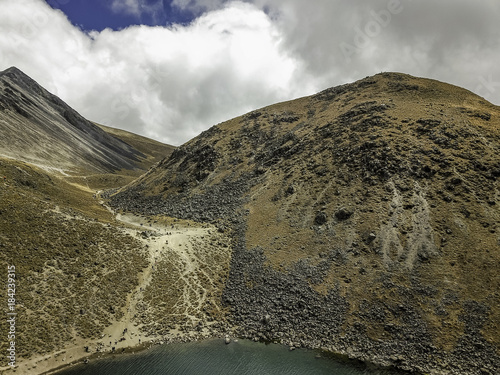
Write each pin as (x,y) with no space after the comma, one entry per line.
(153,150)
(364,219)
(79,269)
(74,265)
(39,128)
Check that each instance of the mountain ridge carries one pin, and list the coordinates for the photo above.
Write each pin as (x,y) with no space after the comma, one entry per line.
(40,128)
(360,216)
(156,149)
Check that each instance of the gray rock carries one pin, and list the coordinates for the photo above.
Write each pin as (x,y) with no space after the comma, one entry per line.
(344,213)
(320,218)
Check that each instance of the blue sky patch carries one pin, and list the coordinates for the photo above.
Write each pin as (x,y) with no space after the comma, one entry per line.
(98,15)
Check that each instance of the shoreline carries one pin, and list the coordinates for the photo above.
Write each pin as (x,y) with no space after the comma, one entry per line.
(52,364)
(101,355)
(131,350)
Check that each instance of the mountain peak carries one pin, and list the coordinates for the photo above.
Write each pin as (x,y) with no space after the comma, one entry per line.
(17,77)
(11,70)
(15,73)
(34,119)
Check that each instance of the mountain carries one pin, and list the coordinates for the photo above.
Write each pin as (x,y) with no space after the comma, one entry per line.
(155,151)
(39,128)
(77,267)
(364,221)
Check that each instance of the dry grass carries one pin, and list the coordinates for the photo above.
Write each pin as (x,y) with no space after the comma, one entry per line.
(74,269)
(186,287)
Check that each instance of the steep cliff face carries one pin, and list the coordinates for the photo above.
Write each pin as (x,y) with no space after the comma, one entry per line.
(365,220)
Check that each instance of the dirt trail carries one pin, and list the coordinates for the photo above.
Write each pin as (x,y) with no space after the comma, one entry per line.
(183,244)
(159,239)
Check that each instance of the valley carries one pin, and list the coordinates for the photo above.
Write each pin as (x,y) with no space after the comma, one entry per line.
(362,221)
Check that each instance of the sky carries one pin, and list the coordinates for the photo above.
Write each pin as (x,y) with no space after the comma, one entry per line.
(171,69)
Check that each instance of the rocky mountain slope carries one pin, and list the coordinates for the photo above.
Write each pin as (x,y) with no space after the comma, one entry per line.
(39,128)
(152,151)
(365,221)
(155,151)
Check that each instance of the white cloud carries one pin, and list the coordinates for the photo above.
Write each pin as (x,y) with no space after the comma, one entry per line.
(456,41)
(152,10)
(199,6)
(127,7)
(168,83)
(171,83)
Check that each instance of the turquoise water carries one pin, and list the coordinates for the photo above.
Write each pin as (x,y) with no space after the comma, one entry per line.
(214,357)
